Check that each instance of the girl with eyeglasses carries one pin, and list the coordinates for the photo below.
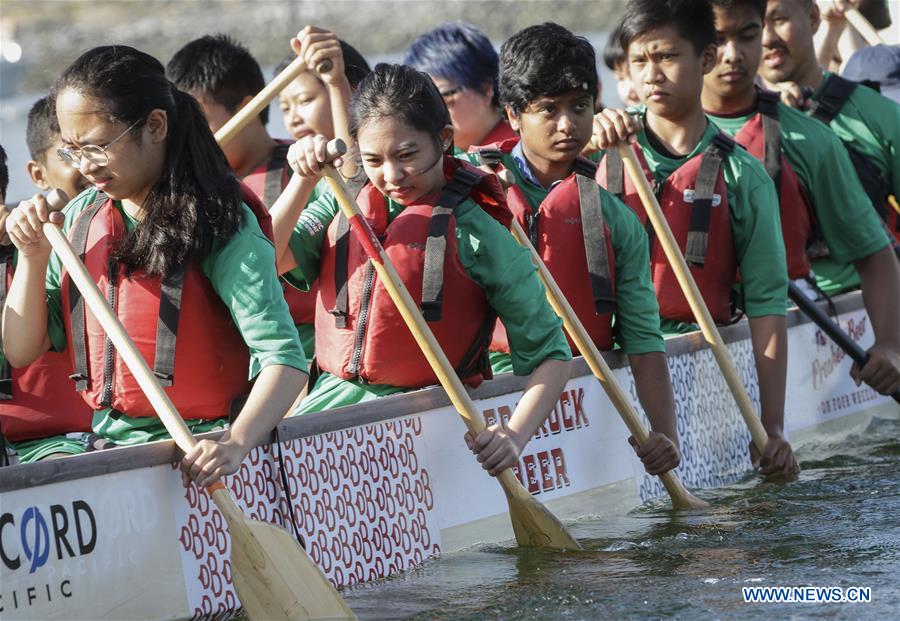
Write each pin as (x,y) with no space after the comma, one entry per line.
(417,191)
(180,254)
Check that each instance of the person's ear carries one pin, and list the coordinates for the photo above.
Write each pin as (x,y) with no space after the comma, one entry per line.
(815,17)
(513,118)
(157,124)
(708,58)
(37,174)
(446,138)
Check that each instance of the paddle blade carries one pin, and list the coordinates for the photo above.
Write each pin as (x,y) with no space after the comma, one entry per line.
(275,579)
(532,522)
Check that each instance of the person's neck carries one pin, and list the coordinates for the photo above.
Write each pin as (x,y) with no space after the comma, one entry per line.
(808,73)
(729,105)
(547,171)
(476,137)
(679,136)
(250,149)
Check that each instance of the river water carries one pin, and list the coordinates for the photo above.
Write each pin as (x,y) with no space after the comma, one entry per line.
(835,526)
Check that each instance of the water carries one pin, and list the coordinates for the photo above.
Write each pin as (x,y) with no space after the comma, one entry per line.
(835,526)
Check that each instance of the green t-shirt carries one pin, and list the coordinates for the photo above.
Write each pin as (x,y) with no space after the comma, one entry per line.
(242,272)
(489,255)
(636,321)
(870,123)
(755,223)
(843,212)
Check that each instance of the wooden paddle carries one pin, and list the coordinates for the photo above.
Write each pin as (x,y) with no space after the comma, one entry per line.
(273,576)
(694,298)
(831,328)
(681,497)
(533,523)
(236,123)
(863,27)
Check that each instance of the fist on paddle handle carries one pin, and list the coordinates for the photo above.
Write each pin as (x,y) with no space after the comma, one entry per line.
(778,458)
(612,127)
(496,448)
(25,224)
(796,96)
(307,155)
(881,371)
(321,49)
(658,453)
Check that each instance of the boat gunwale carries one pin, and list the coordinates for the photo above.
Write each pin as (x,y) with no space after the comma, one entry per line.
(98,463)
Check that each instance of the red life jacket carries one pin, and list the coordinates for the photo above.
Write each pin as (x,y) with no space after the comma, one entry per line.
(34,402)
(761,136)
(203,371)
(585,272)
(267,183)
(694,200)
(360,333)
(501,132)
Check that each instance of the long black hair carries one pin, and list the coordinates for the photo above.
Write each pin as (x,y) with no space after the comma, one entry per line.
(197,199)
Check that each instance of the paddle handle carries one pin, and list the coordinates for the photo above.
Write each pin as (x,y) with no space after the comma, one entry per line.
(405,304)
(585,344)
(831,328)
(863,27)
(287,75)
(694,297)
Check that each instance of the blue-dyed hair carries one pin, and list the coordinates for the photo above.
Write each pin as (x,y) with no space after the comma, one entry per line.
(458,52)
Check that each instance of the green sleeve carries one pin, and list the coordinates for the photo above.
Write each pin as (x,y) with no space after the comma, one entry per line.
(243,274)
(758,243)
(494,260)
(843,212)
(308,238)
(637,311)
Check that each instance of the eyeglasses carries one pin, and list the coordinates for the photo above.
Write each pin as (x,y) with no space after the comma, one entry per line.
(91,152)
(450,94)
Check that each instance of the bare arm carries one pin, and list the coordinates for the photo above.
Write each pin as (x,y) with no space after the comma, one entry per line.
(880,276)
(273,392)
(498,448)
(285,212)
(659,453)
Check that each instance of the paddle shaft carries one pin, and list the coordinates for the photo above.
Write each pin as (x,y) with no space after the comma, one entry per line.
(694,297)
(863,27)
(831,328)
(585,344)
(236,123)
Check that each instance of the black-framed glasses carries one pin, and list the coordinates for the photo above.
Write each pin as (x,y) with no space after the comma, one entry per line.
(450,94)
(93,153)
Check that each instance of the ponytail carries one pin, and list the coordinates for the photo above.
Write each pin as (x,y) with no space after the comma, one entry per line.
(196,201)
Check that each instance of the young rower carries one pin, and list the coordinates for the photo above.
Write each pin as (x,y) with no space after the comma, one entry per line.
(46,168)
(402,128)
(223,76)
(167,237)
(671,45)
(463,64)
(867,123)
(42,416)
(592,243)
(615,60)
(808,163)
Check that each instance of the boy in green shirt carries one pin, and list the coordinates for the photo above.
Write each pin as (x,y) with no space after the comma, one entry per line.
(867,123)
(548,86)
(842,212)
(670,45)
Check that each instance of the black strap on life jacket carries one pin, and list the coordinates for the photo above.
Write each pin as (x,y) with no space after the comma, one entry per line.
(275,173)
(593,227)
(834,94)
(171,290)
(454,192)
(488,157)
(6,258)
(342,255)
(615,173)
(767,105)
(704,189)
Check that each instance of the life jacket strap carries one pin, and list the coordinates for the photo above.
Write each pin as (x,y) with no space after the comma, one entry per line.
(593,226)
(834,94)
(704,189)
(6,257)
(771,123)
